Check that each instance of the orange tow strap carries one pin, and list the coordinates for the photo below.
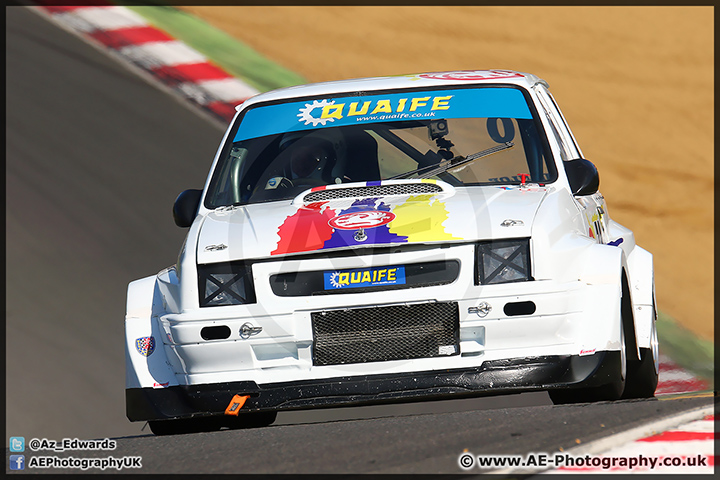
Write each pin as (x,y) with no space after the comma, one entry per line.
(236,404)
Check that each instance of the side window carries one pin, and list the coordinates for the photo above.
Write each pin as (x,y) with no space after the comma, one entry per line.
(568,145)
(566,127)
(224,189)
(564,151)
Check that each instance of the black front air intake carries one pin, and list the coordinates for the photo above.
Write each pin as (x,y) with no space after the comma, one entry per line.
(225,284)
(381,334)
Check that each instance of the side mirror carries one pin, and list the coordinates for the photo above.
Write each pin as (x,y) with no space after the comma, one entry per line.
(582,176)
(185,207)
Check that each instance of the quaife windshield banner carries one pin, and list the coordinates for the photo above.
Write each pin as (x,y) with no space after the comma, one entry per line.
(332,112)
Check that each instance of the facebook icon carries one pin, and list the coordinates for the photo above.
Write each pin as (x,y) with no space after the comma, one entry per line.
(17,462)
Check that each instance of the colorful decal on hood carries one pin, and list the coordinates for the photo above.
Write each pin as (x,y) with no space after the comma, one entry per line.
(420,219)
(362,219)
(488,102)
(379,233)
(366,222)
(308,229)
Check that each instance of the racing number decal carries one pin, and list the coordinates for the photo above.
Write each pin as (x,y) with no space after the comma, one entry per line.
(494,132)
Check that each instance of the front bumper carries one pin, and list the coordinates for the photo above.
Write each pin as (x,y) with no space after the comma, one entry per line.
(571,329)
(492,377)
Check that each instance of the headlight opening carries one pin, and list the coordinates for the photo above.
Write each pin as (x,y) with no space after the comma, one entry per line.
(225,284)
(503,261)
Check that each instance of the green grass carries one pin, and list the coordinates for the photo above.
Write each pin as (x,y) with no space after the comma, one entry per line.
(685,348)
(235,57)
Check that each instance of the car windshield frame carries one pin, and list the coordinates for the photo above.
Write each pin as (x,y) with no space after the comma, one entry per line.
(531,126)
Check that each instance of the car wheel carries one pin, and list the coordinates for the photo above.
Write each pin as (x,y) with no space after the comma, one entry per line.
(185,425)
(251,420)
(613,390)
(211,424)
(643,374)
(608,392)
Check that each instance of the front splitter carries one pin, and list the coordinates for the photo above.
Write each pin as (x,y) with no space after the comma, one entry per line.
(492,378)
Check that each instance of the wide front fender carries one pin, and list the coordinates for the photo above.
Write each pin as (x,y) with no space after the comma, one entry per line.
(608,265)
(146,362)
(601,268)
(601,265)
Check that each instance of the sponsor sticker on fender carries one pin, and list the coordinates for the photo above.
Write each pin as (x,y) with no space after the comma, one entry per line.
(145,346)
(357,220)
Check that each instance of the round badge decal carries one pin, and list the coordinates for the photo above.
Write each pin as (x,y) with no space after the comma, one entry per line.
(471,75)
(366,219)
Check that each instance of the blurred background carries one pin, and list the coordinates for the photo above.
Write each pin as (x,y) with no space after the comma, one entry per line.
(96,155)
(635,84)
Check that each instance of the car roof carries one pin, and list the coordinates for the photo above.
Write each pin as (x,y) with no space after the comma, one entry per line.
(429,79)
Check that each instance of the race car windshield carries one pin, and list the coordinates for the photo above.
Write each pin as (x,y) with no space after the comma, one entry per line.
(466,137)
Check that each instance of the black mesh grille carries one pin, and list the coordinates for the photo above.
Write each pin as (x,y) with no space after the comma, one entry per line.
(372,191)
(386,333)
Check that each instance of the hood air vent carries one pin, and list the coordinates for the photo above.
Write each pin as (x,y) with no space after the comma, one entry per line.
(372,191)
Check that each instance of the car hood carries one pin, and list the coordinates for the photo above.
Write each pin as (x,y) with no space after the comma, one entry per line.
(354,218)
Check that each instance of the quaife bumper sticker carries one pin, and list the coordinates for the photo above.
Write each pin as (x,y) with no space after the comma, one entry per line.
(364,277)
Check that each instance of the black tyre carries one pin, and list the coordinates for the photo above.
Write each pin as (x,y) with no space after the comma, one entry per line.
(211,424)
(185,425)
(643,374)
(607,392)
(615,388)
(251,420)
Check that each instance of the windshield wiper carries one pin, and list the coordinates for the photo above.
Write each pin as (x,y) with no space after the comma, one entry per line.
(454,162)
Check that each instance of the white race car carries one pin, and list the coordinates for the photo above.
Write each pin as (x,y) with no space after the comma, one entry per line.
(387,239)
